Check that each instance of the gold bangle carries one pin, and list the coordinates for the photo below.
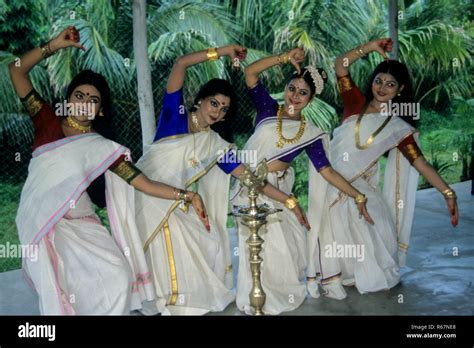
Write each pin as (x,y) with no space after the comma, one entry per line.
(449,193)
(212,54)
(360,52)
(291,202)
(283,60)
(360,198)
(46,51)
(181,195)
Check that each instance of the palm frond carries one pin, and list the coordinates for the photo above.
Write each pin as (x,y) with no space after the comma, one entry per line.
(9,102)
(99,58)
(209,19)
(15,128)
(181,43)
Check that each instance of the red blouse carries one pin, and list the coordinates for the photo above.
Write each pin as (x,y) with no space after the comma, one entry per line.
(354,101)
(47,127)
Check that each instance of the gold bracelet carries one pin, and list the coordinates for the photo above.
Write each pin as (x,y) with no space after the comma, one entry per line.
(360,198)
(449,193)
(181,195)
(46,51)
(291,202)
(283,60)
(360,52)
(212,54)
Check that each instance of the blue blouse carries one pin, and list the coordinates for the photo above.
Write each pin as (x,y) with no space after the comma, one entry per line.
(174,121)
(267,107)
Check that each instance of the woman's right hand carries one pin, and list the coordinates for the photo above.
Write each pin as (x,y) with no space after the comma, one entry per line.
(296,56)
(69,37)
(200,209)
(381,46)
(235,51)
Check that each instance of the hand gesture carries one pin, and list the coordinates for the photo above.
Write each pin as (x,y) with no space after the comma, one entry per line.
(200,209)
(69,37)
(363,212)
(236,53)
(295,57)
(453,211)
(381,46)
(300,215)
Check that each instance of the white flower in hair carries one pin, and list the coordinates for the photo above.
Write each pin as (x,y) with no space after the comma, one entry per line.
(317,78)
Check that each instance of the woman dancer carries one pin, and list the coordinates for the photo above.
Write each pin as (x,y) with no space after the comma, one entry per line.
(191,266)
(80,269)
(372,126)
(280,139)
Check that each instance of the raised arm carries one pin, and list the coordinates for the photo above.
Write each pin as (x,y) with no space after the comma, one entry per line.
(19,74)
(178,72)
(344,61)
(295,57)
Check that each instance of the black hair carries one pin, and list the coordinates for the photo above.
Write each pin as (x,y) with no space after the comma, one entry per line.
(212,88)
(402,75)
(101,124)
(308,79)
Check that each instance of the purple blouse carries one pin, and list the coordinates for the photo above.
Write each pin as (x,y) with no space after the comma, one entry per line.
(267,107)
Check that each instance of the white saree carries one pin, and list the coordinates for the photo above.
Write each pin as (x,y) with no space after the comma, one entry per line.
(284,248)
(383,245)
(190,267)
(80,269)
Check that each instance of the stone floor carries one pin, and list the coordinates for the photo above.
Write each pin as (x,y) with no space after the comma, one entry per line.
(435,282)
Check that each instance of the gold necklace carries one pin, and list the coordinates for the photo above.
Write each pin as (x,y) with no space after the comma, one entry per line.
(196,123)
(372,136)
(73,124)
(281,138)
(193,161)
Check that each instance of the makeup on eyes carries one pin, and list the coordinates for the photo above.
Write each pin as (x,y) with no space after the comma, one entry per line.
(302,91)
(216,103)
(390,83)
(93,99)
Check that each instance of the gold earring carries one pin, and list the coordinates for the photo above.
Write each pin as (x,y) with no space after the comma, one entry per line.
(399,94)
(101,114)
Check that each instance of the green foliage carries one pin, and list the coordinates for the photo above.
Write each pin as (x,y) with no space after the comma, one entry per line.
(9,199)
(435,40)
(21,26)
(300,187)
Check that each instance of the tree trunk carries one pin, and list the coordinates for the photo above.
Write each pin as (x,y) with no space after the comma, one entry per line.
(144,87)
(393,27)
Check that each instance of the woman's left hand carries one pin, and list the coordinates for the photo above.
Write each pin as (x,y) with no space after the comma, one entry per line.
(363,212)
(200,209)
(453,211)
(300,215)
